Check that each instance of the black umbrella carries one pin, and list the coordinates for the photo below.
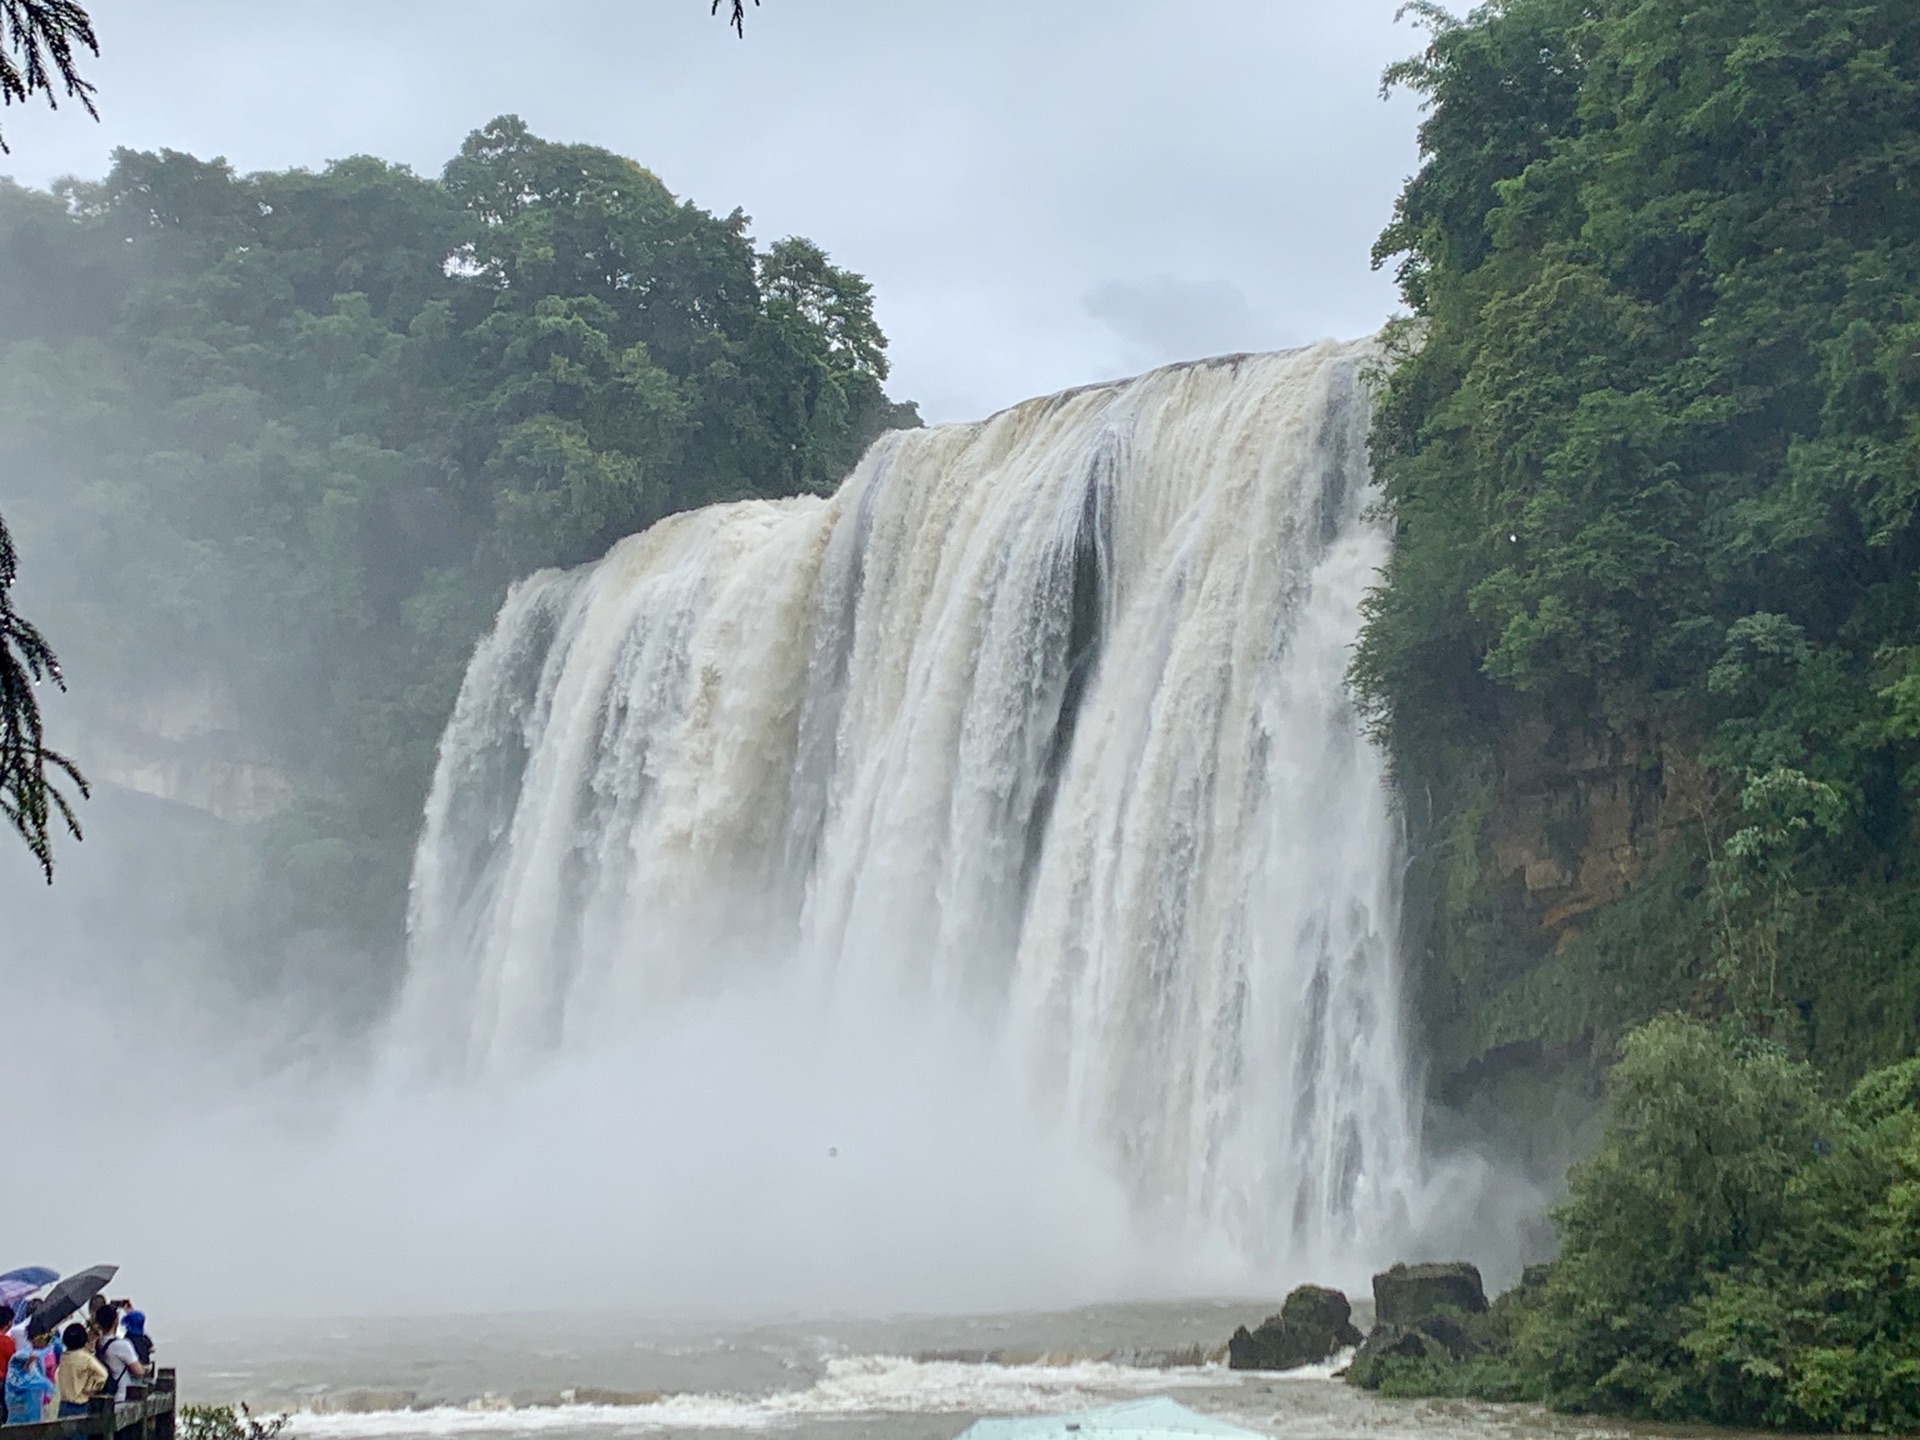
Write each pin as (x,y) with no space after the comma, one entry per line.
(68,1296)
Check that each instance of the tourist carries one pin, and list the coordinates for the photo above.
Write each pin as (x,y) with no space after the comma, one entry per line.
(81,1377)
(117,1353)
(134,1327)
(27,1388)
(9,1342)
(43,1344)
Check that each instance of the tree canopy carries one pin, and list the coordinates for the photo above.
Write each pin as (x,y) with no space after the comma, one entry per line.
(1738,1249)
(291,434)
(40,41)
(1652,443)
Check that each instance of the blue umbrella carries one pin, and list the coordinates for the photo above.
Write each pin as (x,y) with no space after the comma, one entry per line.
(16,1285)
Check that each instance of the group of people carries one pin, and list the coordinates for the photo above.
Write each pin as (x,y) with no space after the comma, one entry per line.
(72,1365)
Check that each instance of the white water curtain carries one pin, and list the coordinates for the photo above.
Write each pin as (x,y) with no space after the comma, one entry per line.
(1040,723)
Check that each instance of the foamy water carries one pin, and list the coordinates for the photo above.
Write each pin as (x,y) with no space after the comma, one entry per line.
(501,1376)
(858,1386)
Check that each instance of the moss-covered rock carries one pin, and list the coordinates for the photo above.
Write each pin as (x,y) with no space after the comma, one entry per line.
(1409,1293)
(1313,1324)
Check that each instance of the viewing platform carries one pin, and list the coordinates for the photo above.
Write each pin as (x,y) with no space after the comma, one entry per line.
(147,1417)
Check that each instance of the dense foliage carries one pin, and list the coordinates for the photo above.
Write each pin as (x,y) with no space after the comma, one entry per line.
(279,441)
(1653,446)
(1652,443)
(1740,1249)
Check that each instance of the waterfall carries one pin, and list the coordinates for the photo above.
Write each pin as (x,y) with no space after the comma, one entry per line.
(1039,722)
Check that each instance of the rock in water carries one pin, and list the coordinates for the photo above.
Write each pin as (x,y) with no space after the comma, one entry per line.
(1408,1293)
(1422,1312)
(1312,1324)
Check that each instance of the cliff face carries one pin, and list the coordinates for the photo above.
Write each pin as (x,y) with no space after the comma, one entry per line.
(1554,903)
(1576,824)
(184,742)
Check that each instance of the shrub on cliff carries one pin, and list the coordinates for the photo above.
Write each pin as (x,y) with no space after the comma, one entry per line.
(1740,1248)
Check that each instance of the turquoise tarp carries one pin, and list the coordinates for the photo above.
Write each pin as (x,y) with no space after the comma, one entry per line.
(1155,1419)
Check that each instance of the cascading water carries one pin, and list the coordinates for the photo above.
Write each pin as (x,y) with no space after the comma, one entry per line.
(1039,723)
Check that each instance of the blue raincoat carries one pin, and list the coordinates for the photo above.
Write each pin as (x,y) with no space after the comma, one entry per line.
(27,1388)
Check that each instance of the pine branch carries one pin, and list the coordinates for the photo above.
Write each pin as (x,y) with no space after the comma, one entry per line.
(28,798)
(37,43)
(738,19)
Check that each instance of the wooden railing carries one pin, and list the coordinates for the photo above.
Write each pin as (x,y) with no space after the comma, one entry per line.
(149,1417)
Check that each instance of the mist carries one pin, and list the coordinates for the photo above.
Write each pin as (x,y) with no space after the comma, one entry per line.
(675,1112)
(220,977)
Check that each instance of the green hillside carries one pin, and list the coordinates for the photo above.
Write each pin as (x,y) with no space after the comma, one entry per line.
(278,442)
(1647,655)
(1648,663)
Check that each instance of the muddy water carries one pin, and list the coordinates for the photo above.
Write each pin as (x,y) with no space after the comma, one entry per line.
(605,1377)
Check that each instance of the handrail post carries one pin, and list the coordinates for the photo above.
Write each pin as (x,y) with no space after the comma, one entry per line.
(164,1383)
(100,1416)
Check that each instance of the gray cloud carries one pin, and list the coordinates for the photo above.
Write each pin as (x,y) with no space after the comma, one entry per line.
(1166,318)
(991,165)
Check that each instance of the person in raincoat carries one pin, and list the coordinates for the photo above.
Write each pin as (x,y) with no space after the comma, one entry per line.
(135,1328)
(27,1388)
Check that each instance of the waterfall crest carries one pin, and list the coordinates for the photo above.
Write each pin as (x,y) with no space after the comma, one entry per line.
(1039,721)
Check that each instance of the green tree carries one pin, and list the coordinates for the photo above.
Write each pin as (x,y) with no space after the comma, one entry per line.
(1652,443)
(294,433)
(39,45)
(1739,1249)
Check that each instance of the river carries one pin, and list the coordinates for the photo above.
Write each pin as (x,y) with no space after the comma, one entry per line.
(599,1377)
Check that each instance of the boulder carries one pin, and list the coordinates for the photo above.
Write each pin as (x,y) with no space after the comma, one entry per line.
(1312,1324)
(1443,1339)
(1407,1293)
(1408,1344)
(1448,1333)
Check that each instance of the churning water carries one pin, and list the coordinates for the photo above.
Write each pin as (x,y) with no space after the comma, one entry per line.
(1029,747)
(577,1377)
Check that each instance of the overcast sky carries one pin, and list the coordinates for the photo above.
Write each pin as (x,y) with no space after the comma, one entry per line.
(1044,192)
